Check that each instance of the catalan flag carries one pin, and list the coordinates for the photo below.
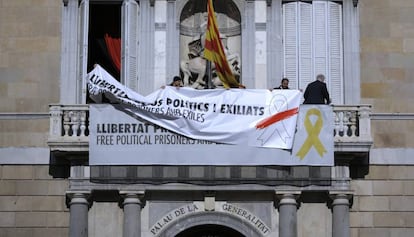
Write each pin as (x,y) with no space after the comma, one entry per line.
(214,50)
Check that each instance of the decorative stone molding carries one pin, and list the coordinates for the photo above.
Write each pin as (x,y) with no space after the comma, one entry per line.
(340,198)
(132,197)
(78,197)
(209,201)
(355,2)
(287,198)
(269,3)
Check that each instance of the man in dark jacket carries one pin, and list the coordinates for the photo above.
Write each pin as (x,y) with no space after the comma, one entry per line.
(316,92)
(284,84)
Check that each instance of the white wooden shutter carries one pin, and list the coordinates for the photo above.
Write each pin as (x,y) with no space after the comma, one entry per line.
(313,45)
(320,33)
(305,45)
(335,79)
(290,45)
(129,46)
(83,51)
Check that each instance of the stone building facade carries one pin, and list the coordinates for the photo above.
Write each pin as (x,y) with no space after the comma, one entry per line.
(47,187)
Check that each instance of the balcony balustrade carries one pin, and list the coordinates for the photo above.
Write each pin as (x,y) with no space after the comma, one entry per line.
(69,128)
(69,141)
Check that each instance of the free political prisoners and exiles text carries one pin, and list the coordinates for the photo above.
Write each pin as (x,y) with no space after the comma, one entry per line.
(139,134)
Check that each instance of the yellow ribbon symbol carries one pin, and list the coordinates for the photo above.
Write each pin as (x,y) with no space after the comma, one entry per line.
(313,134)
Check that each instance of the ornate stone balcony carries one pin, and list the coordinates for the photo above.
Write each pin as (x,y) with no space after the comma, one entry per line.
(69,128)
(69,146)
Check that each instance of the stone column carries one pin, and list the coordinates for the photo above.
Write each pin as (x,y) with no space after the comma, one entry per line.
(351,52)
(172,42)
(69,56)
(78,205)
(340,213)
(132,213)
(274,42)
(249,45)
(287,213)
(146,46)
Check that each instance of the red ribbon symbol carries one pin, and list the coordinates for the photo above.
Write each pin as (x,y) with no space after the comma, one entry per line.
(276,118)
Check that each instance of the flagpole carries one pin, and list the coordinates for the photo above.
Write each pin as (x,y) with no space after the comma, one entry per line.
(209,75)
(214,50)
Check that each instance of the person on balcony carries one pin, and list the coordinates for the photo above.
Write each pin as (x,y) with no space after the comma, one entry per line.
(284,84)
(316,92)
(177,82)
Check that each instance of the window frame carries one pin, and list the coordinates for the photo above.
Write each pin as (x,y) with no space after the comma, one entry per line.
(75,28)
(351,47)
(313,44)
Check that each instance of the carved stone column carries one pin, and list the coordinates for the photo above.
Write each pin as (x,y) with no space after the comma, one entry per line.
(287,213)
(78,205)
(132,212)
(340,213)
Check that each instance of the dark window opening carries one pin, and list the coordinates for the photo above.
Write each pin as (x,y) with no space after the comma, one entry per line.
(104,38)
(210,231)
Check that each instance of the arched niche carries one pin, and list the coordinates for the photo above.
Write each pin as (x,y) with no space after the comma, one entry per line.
(192,21)
(210,218)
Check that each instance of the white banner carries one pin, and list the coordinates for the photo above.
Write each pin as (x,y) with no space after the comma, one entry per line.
(247,117)
(118,137)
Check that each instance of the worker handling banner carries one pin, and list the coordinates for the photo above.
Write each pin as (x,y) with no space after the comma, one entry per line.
(258,118)
(253,121)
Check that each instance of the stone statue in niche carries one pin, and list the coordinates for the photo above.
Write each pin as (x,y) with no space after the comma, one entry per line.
(194,67)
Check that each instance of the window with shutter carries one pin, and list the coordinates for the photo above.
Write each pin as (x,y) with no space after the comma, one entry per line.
(107,35)
(312,44)
(130,43)
(305,49)
(290,49)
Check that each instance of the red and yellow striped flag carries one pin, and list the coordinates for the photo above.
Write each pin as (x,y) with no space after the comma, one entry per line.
(214,50)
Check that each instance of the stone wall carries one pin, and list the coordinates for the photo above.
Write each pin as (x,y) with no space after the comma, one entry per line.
(24,132)
(384,203)
(31,202)
(387,69)
(29,68)
(392,133)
